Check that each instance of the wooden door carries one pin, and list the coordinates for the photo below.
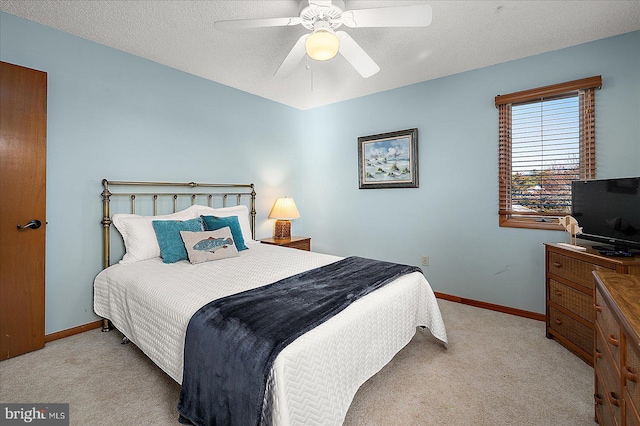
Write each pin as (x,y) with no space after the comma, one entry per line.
(23,118)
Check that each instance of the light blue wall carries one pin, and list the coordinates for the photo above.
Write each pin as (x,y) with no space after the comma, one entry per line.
(453,217)
(117,116)
(113,115)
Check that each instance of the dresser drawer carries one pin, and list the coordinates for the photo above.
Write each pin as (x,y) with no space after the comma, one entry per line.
(571,299)
(632,417)
(609,327)
(574,270)
(604,410)
(631,372)
(301,245)
(571,329)
(605,368)
(612,398)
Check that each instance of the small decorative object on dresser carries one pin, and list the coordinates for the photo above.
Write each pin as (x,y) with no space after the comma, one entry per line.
(301,243)
(617,349)
(283,209)
(569,289)
(570,224)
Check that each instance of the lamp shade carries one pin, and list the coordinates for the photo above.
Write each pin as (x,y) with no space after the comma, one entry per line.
(284,208)
(322,45)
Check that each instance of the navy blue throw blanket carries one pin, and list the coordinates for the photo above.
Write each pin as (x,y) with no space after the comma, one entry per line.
(231,343)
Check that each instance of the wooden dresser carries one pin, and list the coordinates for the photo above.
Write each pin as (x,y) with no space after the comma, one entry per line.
(569,294)
(617,349)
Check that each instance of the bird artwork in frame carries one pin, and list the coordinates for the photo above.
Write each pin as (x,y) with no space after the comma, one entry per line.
(388,160)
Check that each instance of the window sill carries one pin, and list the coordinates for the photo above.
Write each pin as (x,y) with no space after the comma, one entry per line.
(530,223)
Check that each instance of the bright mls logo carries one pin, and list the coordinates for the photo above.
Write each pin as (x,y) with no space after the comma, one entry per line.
(37,414)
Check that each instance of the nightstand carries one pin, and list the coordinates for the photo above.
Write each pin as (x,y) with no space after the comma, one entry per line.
(300,243)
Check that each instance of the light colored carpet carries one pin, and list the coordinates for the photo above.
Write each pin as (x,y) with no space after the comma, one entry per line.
(499,370)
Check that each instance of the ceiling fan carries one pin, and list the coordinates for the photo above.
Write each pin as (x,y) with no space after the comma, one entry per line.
(323,17)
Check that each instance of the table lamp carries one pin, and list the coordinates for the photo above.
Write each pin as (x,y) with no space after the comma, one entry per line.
(283,210)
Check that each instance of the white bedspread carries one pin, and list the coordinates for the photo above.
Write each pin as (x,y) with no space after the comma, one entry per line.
(315,378)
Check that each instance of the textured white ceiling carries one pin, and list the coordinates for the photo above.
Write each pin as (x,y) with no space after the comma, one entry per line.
(463,36)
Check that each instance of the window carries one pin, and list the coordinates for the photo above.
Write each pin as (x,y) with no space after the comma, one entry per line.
(546,141)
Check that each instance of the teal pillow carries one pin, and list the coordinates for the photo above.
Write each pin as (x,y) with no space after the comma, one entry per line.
(169,238)
(213,223)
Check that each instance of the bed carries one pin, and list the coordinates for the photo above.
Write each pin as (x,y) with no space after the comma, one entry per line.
(314,379)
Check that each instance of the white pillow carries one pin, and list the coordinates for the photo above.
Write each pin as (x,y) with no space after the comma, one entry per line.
(241,211)
(140,241)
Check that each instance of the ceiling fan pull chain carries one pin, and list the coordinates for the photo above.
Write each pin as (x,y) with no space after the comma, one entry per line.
(309,67)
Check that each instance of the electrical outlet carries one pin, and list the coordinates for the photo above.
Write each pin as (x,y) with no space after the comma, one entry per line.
(425,260)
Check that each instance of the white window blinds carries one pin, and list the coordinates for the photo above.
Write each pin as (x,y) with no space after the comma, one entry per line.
(545,145)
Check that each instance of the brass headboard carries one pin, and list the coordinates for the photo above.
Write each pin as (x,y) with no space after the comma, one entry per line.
(196,191)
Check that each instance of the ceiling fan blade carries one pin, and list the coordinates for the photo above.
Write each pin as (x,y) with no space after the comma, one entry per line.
(394,16)
(293,58)
(356,56)
(320,3)
(241,24)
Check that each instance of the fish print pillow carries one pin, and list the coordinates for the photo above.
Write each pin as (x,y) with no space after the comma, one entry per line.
(209,245)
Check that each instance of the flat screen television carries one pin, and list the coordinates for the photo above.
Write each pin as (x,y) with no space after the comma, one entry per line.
(608,210)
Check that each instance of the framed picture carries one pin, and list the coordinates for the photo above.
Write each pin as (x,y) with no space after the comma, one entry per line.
(388,160)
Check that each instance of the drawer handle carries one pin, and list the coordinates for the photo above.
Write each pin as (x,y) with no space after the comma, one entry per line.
(613,399)
(630,375)
(558,321)
(597,353)
(612,340)
(597,308)
(598,399)
(557,292)
(557,264)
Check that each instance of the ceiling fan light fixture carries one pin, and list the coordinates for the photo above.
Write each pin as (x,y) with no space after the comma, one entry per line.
(322,45)
(324,17)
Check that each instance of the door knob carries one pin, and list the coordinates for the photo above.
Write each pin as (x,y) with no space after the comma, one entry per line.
(32,224)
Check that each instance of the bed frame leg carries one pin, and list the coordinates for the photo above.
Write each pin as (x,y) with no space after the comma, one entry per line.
(105,325)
